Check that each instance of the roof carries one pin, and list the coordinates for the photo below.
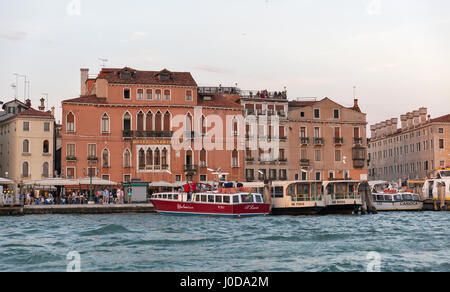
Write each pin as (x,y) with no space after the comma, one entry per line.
(14,100)
(301,103)
(222,100)
(131,76)
(92,99)
(443,119)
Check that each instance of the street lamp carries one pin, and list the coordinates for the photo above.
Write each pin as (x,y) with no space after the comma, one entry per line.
(90,174)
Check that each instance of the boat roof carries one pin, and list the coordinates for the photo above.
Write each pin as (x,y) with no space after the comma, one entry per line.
(283,183)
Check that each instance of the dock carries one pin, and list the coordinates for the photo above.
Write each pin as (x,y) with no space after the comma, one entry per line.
(77,209)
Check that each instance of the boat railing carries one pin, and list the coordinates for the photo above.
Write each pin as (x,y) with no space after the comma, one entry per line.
(306,198)
(345,196)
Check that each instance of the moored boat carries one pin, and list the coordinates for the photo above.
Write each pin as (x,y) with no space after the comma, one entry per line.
(224,203)
(341,197)
(387,198)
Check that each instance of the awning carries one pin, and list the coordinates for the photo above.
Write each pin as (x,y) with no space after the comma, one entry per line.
(4,181)
(95,182)
(52,182)
(253,184)
(162,184)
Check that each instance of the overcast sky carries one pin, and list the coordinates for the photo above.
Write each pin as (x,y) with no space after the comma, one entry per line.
(396,52)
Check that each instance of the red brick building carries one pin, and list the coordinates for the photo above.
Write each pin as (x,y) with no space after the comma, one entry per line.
(150,125)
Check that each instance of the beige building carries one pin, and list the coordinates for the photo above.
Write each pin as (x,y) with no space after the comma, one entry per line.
(26,142)
(326,141)
(411,151)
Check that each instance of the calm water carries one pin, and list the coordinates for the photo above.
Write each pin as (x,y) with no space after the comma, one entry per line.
(148,242)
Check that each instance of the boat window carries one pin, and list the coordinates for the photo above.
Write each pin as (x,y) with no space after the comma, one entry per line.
(169,197)
(235,199)
(388,198)
(203,198)
(218,199)
(407,197)
(374,197)
(330,189)
(397,198)
(279,192)
(247,198)
(380,198)
(291,190)
(416,197)
(175,197)
(197,198)
(165,196)
(226,199)
(210,199)
(258,198)
(351,188)
(159,196)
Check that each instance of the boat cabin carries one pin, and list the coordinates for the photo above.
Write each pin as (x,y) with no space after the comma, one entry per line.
(211,198)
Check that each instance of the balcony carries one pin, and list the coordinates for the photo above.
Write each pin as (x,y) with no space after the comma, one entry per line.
(357,141)
(359,157)
(217,90)
(71,158)
(319,141)
(92,158)
(338,141)
(203,164)
(147,134)
(263,94)
(304,141)
(191,168)
(304,163)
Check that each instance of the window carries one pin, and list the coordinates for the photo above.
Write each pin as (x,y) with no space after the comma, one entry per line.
(318,155)
(336,114)
(166,94)
(26,147)
(149,95)
(127,122)
(141,156)
(70,122)
(140,94)
(45,170)
(441,143)
(127,178)
(317,113)
(203,158)
(235,159)
(441,130)
(26,126)
(70,173)
(303,132)
(105,123)
(302,114)
(46,147)
(71,150)
(337,155)
(203,178)
(92,150)
(316,132)
(158,94)
(126,93)
(25,170)
(46,127)
(127,159)
(188,95)
(318,176)
(105,158)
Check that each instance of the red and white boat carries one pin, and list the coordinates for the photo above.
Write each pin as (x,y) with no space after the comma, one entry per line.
(225,202)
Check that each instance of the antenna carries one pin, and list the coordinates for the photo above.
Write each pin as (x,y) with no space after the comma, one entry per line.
(354,92)
(104,61)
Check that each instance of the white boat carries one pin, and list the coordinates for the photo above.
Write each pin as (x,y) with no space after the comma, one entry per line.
(342,196)
(438,188)
(386,198)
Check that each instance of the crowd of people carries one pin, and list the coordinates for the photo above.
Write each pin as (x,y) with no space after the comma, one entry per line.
(100,197)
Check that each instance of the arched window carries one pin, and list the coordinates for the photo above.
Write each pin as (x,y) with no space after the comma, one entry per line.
(105,158)
(127,122)
(166,94)
(70,122)
(26,146)
(105,123)
(45,170)
(167,122)
(157,158)
(149,122)
(141,159)
(164,161)
(149,158)
(140,121)
(188,123)
(127,159)
(25,170)
(46,147)
(235,158)
(203,129)
(235,127)
(158,122)
(203,158)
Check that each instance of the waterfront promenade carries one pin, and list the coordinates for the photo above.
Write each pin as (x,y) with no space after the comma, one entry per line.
(78,209)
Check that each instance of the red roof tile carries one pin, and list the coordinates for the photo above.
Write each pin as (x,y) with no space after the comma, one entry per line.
(222,100)
(34,113)
(131,76)
(92,99)
(301,103)
(443,119)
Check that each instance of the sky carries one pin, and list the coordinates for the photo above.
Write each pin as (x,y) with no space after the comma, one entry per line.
(395,52)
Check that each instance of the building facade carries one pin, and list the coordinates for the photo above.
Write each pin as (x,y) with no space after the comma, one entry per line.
(26,142)
(152,126)
(326,141)
(412,151)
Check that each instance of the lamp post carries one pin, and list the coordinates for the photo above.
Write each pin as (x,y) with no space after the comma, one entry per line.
(90,174)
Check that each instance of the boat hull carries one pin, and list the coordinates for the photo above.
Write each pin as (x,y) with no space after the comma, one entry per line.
(204,209)
(399,206)
(297,211)
(345,209)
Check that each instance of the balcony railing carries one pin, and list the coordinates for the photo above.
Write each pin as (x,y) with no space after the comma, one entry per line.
(147,134)
(304,141)
(92,158)
(358,141)
(338,141)
(304,163)
(191,168)
(71,158)
(218,90)
(319,141)
(202,164)
(263,94)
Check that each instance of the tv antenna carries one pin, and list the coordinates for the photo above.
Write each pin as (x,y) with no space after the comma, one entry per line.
(104,61)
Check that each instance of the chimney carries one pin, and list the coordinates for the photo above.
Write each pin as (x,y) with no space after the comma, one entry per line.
(383,129)
(84,78)
(416,115)
(423,111)
(394,123)
(42,106)
(28,102)
(409,121)
(404,120)
(388,127)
